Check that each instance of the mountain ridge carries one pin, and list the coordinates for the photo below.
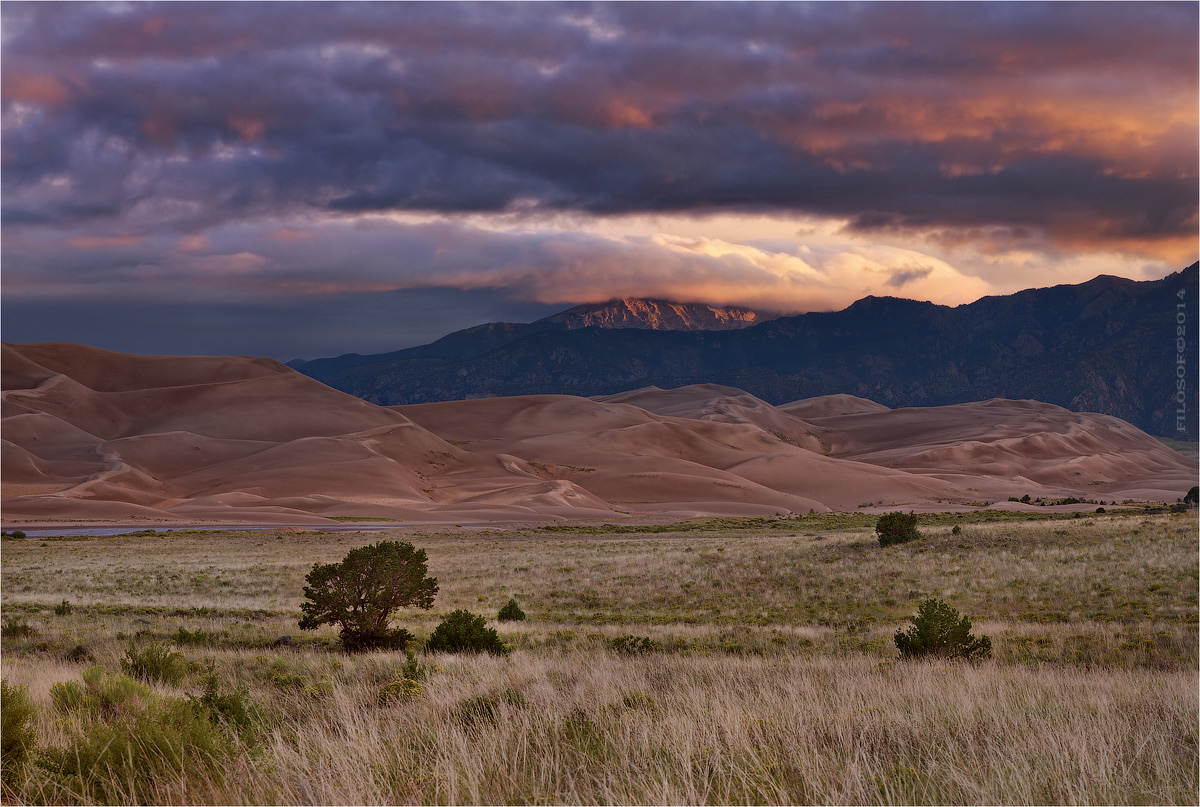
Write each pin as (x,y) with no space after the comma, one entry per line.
(1107,345)
(640,313)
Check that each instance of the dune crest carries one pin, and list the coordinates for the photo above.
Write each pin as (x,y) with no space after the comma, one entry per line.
(91,434)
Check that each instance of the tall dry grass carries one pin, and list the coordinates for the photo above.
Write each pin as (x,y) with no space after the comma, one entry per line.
(779,685)
(595,727)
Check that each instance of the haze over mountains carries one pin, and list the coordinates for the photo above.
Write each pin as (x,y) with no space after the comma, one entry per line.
(93,435)
(648,315)
(1108,346)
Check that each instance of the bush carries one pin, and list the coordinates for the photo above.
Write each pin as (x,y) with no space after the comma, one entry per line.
(63,608)
(463,632)
(939,630)
(1193,495)
(957,530)
(17,743)
(80,654)
(129,745)
(16,628)
(195,637)
(231,710)
(897,528)
(632,645)
(511,612)
(100,697)
(400,690)
(360,593)
(155,662)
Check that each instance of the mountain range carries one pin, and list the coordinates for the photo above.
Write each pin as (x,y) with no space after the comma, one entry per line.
(1109,345)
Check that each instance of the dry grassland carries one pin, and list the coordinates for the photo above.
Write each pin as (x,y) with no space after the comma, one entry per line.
(776,680)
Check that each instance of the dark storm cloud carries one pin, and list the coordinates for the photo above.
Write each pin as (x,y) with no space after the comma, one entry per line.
(1074,122)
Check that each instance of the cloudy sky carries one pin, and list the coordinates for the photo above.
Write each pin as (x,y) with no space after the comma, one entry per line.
(303,180)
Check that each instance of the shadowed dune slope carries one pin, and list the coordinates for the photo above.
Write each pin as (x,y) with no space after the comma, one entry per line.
(92,434)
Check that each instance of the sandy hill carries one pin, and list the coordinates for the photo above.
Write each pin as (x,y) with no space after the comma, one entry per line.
(92,434)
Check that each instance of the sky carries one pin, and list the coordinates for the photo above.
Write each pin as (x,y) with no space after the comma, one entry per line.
(303,179)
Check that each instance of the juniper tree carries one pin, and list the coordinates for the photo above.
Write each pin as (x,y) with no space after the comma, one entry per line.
(360,593)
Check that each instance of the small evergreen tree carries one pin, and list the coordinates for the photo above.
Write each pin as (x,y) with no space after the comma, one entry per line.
(511,612)
(939,630)
(463,632)
(360,593)
(1193,495)
(897,528)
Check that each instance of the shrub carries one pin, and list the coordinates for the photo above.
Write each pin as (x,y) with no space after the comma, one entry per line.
(939,630)
(16,628)
(1193,495)
(957,530)
(897,528)
(233,710)
(360,593)
(80,654)
(17,742)
(108,698)
(155,662)
(18,534)
(463,632)
(632,645)
(63,608)
(194,637)
(511,612)
(129,755)
(399,690)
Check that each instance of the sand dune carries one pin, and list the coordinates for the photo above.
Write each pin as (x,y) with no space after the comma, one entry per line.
(93,435)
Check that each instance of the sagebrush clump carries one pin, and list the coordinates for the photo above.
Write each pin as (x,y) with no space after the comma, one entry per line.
(897,528)
(154,662)
(939,630)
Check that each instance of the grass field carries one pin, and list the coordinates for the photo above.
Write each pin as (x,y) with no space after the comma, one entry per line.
(774,678)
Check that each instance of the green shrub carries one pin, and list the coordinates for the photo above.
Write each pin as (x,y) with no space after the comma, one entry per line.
(360,593)
(897,528)
(413,669)
(957,530)
(16,628)
(195,637)
(126,744)
(132,759)
(18,534)
(17,742)
(154,662)
(1193,495)
(463,632)
(108,698)
(63,608)
(232,709)
(939,630)
(632,645)
(511,612)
